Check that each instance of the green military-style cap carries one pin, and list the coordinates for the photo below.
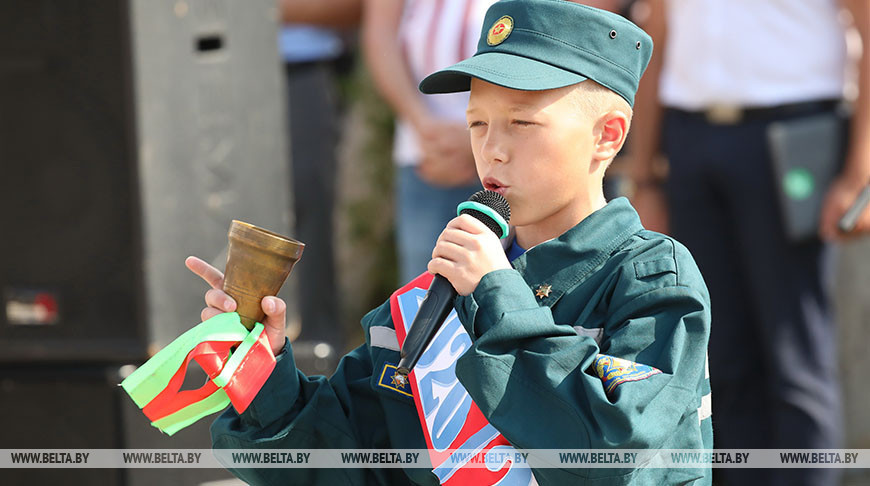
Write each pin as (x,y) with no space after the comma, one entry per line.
(545,44)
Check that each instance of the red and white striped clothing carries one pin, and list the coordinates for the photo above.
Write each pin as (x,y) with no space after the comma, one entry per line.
(435,34)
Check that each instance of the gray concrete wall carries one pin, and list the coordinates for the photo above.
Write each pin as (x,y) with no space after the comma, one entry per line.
(852,305)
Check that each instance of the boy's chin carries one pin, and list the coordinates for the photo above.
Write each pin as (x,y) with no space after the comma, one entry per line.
(517,219)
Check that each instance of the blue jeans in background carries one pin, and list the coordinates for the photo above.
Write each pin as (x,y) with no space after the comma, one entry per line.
(422,212)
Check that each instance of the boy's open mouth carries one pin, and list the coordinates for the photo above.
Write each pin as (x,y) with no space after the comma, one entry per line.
(492,184)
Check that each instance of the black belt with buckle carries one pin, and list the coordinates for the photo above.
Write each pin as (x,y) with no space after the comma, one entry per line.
(734,114)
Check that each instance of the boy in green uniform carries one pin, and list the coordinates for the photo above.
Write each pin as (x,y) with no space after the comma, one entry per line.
(592,336)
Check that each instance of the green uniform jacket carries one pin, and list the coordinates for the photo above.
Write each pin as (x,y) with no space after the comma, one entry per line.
(616,289)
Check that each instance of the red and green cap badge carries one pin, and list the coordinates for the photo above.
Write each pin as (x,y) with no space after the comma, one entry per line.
(500,31)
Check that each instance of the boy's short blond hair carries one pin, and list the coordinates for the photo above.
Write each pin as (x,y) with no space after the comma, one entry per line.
(593,100)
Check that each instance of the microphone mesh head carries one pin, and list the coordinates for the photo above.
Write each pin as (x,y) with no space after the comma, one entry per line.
(494,201)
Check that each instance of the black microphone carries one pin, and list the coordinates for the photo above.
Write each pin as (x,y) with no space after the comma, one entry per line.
(493,210)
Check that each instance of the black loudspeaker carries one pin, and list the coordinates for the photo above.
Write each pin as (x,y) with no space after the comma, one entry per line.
(82,408)
(131,134)
(49,408)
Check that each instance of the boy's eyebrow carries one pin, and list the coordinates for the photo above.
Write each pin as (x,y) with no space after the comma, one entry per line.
(512,109)
(521,107)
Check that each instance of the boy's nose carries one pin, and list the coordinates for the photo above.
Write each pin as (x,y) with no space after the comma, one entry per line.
(494,147)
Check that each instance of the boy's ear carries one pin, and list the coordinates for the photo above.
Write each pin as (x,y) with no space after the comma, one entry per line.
(611,130)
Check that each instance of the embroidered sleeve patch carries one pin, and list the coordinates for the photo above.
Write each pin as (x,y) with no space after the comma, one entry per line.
(391,381)
(616,371)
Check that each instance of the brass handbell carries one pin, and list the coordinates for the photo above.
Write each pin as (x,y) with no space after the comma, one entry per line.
(258,263)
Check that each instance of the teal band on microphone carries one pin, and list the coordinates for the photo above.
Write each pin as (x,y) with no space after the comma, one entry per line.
(487,211)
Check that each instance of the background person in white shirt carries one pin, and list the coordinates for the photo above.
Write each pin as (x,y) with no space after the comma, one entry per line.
(728,69)
(404,41)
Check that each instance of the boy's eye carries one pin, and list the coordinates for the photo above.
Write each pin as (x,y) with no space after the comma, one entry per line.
(475,124)
(523,122)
